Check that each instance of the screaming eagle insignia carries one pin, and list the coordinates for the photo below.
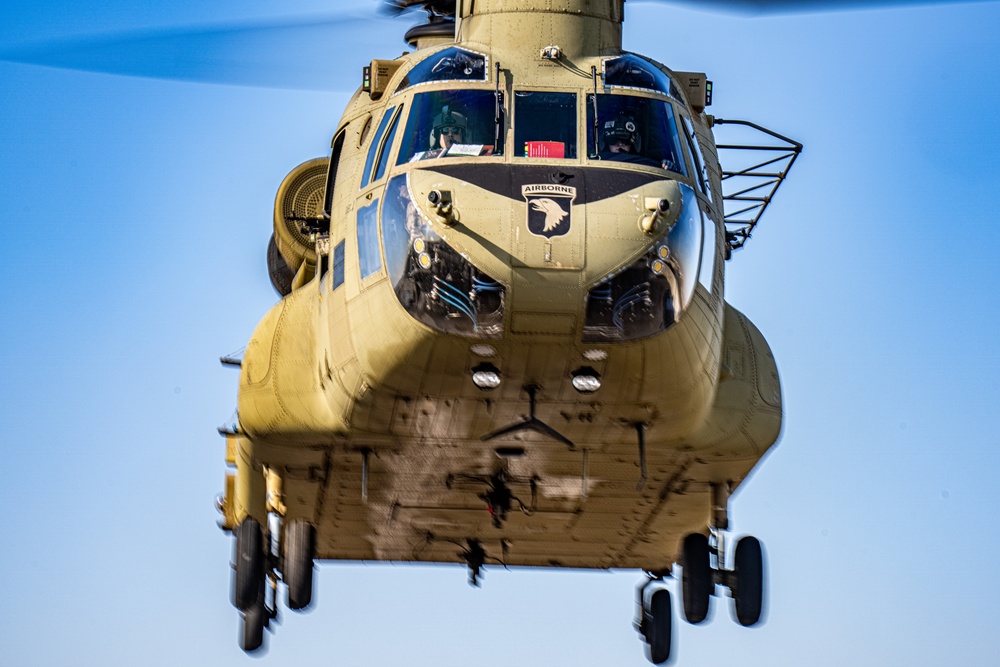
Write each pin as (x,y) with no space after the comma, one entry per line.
(549,209)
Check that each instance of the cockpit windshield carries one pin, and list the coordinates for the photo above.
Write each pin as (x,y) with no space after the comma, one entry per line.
(451,64)
(449,123)
(636,130)
(545,124)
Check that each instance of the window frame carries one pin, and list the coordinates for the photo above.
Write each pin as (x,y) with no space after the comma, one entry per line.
(374,150)
(517,155)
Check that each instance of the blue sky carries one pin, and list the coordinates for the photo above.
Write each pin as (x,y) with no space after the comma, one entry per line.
(134,216)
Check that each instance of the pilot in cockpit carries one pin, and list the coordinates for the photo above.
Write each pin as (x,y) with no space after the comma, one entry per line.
(450,128)
(622,142)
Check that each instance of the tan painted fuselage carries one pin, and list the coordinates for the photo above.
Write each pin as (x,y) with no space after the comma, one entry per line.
(363,420)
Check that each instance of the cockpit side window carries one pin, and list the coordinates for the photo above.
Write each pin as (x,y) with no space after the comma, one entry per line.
(451,64)
(449,123)
(634,130)
(545,124)
(383,158)
(700,168)
(376,142)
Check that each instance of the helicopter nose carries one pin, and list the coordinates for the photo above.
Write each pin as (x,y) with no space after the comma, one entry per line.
(650,292)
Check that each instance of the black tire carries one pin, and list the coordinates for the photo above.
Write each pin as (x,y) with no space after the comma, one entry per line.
(300,550)
(254,621)
(248,578)
(749,595)
(659,627)
(696,578)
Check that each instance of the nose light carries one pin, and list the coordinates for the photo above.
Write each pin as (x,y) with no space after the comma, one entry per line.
(486,376)
(586,380)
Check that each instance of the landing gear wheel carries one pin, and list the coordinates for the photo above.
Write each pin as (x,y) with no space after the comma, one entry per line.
(658,627)
(748,597)
(254,620)
(248,579)
(300,549)
(696,578)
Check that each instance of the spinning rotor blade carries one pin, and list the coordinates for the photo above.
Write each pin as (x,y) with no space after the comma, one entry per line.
(323,53)
(779,7)
(439,7)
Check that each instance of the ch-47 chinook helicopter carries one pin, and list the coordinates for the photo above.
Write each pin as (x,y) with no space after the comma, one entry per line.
(502,337)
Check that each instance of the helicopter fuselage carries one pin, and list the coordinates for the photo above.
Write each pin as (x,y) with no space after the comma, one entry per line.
(519,304)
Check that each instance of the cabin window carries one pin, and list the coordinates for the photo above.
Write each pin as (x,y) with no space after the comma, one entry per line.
(373,149)
(449,123)
(545,125)
(634,130)
(631,71)
(369,260)
(451,64)
(338,265)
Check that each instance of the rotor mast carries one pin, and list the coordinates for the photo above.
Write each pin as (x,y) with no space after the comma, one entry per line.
(575,26)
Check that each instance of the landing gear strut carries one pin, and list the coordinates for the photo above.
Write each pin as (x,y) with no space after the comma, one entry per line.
(263,556)
(258,569)
(745,580)
(703,558)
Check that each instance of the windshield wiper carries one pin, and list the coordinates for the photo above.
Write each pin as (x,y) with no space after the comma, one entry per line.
(498,116)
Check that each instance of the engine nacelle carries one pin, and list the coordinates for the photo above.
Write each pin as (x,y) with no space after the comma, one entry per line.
(300,198)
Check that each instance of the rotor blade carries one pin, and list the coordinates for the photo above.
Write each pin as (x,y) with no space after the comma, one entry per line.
(779,7)
(439,7)
(321,53)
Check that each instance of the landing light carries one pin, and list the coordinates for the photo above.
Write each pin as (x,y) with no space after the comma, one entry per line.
(586,380)
(483,350)
(486,376)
